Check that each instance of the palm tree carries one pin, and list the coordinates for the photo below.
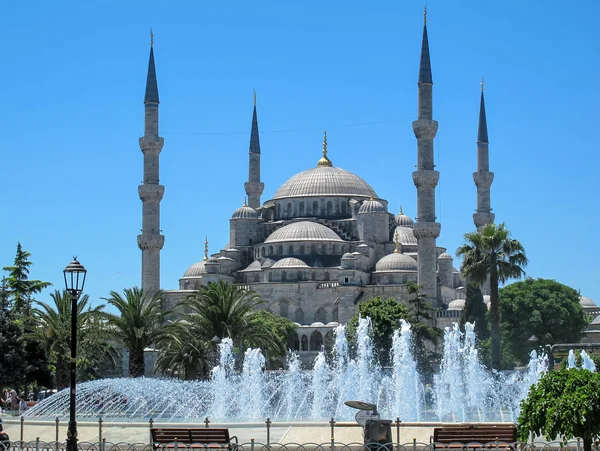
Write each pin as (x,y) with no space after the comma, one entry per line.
(54,328)
(138,325)
(490,254)
(223,310)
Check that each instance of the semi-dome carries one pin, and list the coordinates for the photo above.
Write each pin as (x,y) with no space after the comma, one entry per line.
(324,181)
(445,256)
(303,231)
(289,262)
(406,236)
(196,270)
(268,263)
(586,302)
(372,206)
(245,212)
(254,266)
(403,220)
(348,255)
(396,262)
(457,304)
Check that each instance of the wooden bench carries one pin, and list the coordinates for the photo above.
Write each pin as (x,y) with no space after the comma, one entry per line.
(197,438)
(475,437)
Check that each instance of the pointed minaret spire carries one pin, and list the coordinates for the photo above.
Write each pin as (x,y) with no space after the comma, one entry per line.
(151,83)
(425,178)
(254,187)
(483,178)
(425,66)
(205,248)
(151,241)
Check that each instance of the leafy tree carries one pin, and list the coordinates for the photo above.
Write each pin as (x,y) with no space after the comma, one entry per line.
(491,254)
(545,308)
(475,312)
(20,288)
(280,326)
(13,366)
(385,317)
(224,310)
(138,324)
(564,402)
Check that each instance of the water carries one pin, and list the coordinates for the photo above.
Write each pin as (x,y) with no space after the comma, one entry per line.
(463,390)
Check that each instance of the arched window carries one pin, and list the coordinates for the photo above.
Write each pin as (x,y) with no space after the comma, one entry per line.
(302,250)
(301,209)
(335,315)
(313,250)
(256,278)
(300,316)
(283,276)
(299,275)
(262,251)
(280,249)
(290,250)
(326,276)
(270,278)
(278,211)
(289,210)
(334,249)
(316,341)
(270,250)
(343,251)
(321,316)
(283,308)
(323,249)
(343,207)
(329,208)
(315,208)
(304,346)
(293,341)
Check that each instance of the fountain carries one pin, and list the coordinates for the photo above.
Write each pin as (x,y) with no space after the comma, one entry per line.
(463,390)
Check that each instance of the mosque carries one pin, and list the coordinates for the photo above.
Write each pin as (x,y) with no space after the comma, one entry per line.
(326,240)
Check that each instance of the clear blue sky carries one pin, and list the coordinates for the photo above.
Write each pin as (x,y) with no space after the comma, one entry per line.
(72,86)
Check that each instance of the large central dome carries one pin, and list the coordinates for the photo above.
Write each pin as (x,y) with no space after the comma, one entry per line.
(324,181)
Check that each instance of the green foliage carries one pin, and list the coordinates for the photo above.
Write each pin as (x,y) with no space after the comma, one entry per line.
(138,324)
(280,326)
(490,254)
(385,317)
(545,308)
(564,402)
(475,312)
(13,366)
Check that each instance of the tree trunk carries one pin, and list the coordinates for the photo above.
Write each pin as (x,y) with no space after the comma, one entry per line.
(62,373)
(136,363)
(587,444)
(495,317)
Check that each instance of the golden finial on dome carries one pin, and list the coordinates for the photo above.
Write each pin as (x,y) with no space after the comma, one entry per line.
(396,242)
(206,248)
(401,210)
(324,161)
(245,204)
(372,195)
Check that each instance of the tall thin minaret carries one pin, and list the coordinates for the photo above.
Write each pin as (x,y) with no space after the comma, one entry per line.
(483,177)
(254,187)
(151,192)
(426,229)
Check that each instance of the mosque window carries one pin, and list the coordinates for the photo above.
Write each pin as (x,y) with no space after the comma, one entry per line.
(390,279)
(321,316)
(290,250)
(284,309)
(270,250)
(293,341)
(329,208)
(343,207)
(278,211)
(313,250)
(313,275)
(323,249)
(404,279)
(289,210)
(270,278)
(299,275)
(262,251)
(256,278)
(283,276)
(301,208)
(300,316)
(301,249)
(315,208)
(326,276)
(343,251)
(334,249)
(280,250)
(335,315)
(250,242)
(316,341)
(304,343)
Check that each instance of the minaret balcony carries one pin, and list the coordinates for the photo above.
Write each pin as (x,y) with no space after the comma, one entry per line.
(483,179)
(426,229)
(425,178)
(150,241)
(151,144)
(483,218)
(425,128)
(151,192)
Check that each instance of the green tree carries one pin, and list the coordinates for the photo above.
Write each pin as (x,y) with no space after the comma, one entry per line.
(13,366)
(564,402)
(545,308)
(385,317)
(20,289)
(54,329)
(490,254)
(475,312)
(280,326)
(224,310)
(138,324)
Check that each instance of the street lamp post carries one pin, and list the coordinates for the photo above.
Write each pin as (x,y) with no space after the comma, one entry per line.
(74,281)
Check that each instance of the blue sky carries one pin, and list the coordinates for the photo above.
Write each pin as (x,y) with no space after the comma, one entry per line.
(73,78)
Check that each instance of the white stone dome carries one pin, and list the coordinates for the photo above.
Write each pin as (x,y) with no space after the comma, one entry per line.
(457,304)
(254,266)
(396,262)
(406,236)
(348,255)
(372,206)
(403,220)
(324,181)
(268,263)
(303,231)
(289,262)
(445,256)
(245,212)
(586,302)
(196,270)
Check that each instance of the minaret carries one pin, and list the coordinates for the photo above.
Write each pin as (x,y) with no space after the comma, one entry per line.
(151,192)
(254,187)
(426,229)
(483,177)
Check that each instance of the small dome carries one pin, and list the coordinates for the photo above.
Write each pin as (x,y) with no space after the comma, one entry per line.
(317,324)
(254,266)
(396,262)
(372,206)
(403,220)
(347,255)
(303,231)
(196,270)
(213,260)
(245,212)
(445,256)
(406,236)
(332,324)
(458,304)
(586,302)
(290,262)
(224,259)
